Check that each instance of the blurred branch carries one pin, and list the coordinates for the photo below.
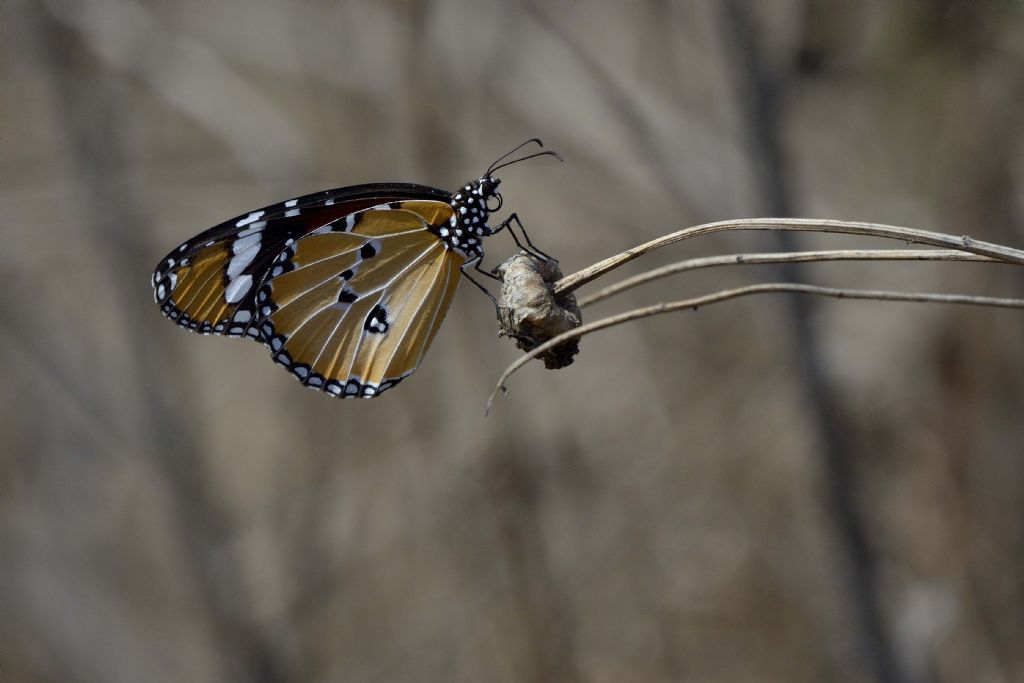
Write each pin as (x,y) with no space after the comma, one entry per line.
(783,257)
(911,235)
(727,294)
(201,521)
(192,79)
(759,90)
(622,99)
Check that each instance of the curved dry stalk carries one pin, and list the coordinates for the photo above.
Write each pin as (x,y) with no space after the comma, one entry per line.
(576,280)
(784,257)
(767,288)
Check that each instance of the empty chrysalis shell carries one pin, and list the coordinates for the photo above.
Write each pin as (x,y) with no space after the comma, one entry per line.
(530,314)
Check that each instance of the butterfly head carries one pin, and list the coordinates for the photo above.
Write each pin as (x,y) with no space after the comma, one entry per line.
(487,189)
(475,201)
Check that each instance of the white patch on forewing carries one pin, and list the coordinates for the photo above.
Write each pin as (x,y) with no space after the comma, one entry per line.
(240,261)
(291,212)
(254,216)
(237,288)
(242,316)
(290,203)
(243,243)
(255,227)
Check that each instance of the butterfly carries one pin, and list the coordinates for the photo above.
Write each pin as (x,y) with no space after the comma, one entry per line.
(346,287)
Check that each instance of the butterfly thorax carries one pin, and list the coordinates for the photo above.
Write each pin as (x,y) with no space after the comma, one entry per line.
(467,227)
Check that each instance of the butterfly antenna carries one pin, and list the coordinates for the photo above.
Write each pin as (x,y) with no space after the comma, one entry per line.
(546,153)
(506,155)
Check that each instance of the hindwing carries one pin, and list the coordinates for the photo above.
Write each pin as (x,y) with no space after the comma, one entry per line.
(352,307)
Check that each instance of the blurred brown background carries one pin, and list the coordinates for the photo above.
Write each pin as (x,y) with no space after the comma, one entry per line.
(766,490)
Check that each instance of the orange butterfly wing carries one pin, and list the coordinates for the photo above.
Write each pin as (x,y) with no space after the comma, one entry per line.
(351,308)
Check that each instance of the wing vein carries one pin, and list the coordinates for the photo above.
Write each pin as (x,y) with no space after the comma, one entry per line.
(419,307)
(441,309)
(361,295)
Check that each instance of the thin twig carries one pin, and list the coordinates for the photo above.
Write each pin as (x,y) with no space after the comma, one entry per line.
(573,282)
(785,257)
(724,295)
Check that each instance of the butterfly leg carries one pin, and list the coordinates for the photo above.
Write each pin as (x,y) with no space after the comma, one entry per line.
(476,266)
(532,248)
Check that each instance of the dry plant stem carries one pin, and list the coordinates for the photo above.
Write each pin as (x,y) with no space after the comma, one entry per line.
(724,295)
(573,282)
(785,257)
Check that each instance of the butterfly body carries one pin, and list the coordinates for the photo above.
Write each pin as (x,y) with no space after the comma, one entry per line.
(347,287)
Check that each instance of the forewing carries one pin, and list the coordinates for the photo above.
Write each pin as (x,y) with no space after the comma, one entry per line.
(209,283)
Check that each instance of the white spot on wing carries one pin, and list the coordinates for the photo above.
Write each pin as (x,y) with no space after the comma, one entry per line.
(243,243)
(290,203)
(240,261)
(254,228)
(254,216)
(237,288)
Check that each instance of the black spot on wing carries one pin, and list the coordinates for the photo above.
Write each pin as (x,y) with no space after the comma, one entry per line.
(377,320)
